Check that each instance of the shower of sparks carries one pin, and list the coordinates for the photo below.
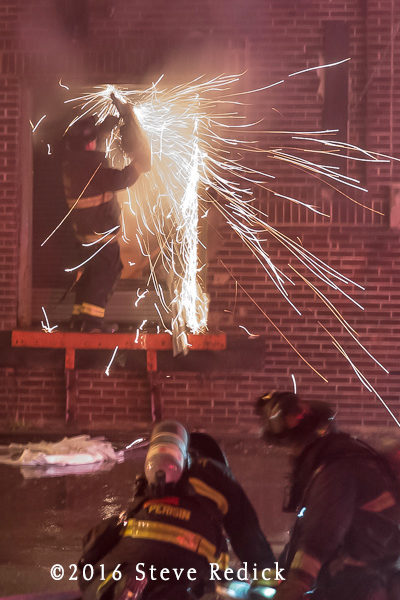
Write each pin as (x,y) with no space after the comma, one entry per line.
(34,127)
(294,384)
(143,324)
(48,149)
(200,143)
(107,371)
(46,326)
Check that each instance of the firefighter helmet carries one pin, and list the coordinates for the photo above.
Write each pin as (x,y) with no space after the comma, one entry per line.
(287,418)
(86,130)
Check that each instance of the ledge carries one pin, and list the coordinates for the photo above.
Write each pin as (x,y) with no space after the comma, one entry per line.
(108,341)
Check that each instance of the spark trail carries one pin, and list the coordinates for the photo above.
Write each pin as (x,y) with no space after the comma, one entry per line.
(107,371)
(46,325)
(198,139)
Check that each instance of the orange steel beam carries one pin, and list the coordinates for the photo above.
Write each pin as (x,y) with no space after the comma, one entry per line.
(108,341)
(71,341)
(69,358)
(151,356)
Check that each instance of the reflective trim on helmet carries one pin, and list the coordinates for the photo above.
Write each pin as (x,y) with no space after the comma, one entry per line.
(268,396)
(205,490)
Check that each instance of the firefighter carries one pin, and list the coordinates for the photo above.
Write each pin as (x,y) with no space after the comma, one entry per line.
(90,186)
(346,539)
(182,507)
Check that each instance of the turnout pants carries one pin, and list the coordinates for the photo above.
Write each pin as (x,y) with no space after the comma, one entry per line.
(96,284)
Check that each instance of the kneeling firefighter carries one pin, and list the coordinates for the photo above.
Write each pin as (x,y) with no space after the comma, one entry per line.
(183,506)
(89,186)
(346,540)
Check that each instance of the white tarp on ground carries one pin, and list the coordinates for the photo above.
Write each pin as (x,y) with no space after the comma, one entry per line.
(40,471)
(78,450)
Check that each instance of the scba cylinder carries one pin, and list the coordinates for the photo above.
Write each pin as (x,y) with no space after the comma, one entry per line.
(167,454)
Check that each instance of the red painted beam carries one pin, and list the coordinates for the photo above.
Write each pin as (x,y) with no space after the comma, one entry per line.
(69,358)
(108,341)
(151,356)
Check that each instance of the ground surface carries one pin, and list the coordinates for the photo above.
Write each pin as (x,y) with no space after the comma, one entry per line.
(43,519)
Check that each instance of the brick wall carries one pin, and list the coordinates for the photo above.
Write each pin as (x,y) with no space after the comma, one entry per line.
(10,97)
(270,40)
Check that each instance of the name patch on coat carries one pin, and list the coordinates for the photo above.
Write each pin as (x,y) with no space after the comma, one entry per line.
(169,511)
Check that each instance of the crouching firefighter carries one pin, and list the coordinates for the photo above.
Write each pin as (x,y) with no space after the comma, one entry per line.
(170,540)
(346,539)
(89,187)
